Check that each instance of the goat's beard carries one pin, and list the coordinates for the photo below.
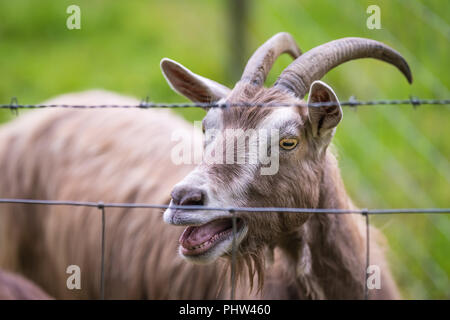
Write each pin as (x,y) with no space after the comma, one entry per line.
(248,265)
(255,253)
(251,260)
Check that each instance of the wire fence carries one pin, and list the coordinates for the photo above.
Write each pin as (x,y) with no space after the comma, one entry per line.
(352,102)
(232,210)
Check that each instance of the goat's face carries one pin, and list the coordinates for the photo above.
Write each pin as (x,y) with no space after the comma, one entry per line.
(290,179)
(253,156)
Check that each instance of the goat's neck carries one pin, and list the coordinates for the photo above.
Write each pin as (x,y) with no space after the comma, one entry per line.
(328,252)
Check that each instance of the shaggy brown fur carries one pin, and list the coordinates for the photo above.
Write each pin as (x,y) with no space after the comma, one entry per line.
(96,155)
(15,287)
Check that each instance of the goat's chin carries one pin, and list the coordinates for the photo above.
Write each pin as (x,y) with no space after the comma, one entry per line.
(222,248)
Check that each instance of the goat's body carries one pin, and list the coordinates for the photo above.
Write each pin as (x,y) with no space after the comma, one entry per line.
(124,156)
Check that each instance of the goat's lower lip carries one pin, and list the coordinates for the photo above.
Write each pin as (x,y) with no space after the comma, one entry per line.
(196,240)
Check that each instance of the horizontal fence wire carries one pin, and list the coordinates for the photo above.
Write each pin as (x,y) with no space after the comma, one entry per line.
(225,209)
(413,101)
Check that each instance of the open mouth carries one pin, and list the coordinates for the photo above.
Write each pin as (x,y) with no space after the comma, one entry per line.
(197,240)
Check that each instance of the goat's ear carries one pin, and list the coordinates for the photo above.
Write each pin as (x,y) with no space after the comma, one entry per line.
(323,119)
(194,87)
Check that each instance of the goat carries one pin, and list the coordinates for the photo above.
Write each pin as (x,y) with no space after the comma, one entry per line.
(323,254)
(124,156)
(15,287)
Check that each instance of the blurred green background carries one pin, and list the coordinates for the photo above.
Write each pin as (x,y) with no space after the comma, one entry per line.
(391,157)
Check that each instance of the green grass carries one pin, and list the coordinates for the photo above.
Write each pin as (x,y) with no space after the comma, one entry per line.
(390,156)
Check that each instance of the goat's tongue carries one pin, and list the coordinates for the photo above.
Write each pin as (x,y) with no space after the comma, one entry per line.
(201,237)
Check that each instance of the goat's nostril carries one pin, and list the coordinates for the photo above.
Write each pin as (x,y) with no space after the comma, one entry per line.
(193,197)
(186,196)
(176,196)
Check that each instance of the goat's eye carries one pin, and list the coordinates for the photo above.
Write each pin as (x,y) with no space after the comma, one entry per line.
(203,128)
(288,143)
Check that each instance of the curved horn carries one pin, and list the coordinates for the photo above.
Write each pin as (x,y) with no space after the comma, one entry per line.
(315,63)
(260,63)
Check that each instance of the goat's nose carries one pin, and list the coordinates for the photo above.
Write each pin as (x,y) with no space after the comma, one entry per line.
(187,196)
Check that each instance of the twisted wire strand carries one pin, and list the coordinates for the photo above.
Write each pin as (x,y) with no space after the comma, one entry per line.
(14,106)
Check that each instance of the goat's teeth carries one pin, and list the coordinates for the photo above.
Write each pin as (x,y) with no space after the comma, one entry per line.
(212,239)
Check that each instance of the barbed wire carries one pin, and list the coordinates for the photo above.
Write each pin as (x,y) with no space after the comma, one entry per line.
(352,102)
